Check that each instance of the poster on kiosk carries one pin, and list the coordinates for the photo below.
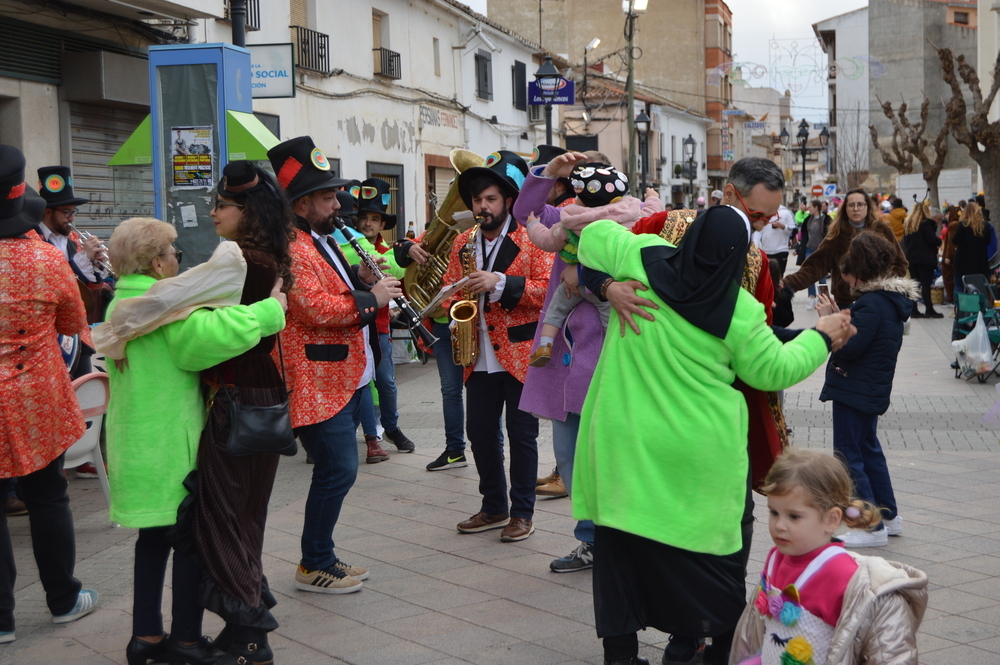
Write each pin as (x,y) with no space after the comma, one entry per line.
(202,117)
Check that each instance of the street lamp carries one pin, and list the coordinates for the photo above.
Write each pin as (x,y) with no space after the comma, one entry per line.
(548,79)
(802,138)
(642,123)
(689,146)
(594,43)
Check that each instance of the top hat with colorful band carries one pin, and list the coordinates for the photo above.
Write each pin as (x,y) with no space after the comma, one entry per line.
(301,168)
(544,154)
(21,209)
(348,204)
(374,197)
(598,184)
(505,168)
(55,184)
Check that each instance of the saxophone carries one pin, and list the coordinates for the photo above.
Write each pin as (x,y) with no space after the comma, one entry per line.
(465,312)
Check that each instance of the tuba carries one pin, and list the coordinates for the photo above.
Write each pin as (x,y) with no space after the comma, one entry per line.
(424,282)
(465,312)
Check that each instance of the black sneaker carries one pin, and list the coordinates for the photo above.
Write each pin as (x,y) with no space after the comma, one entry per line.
(581,558)
(401,441)
(683,650)
(448,460)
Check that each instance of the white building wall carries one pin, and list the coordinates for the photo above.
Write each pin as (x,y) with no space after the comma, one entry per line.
(849,90)
(675,126)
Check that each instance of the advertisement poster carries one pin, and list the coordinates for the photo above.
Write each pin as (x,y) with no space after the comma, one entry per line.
(191,151)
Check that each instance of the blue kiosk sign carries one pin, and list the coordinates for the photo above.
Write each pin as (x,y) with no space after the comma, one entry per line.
(564,93)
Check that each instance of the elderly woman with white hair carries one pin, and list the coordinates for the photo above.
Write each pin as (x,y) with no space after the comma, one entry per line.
(160,344)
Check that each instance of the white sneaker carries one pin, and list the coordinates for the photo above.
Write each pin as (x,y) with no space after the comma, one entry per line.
(894,526)
(863,538)
(812,303)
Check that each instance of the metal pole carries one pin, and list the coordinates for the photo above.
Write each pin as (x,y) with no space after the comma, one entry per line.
(804,142)
(238,15)
(630,87)
(691,182)
(548,124)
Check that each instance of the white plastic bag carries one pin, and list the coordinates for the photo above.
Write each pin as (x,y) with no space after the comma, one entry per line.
(974,354)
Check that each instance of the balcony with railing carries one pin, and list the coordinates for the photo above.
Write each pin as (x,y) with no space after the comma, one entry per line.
(253,13)
(312,49)
(387,63)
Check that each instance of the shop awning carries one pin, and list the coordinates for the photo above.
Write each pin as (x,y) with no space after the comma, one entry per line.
(248,139)
(138,148)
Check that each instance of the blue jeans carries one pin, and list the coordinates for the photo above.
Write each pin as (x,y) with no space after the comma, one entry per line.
(855,441)
(385,384)
(451,390)
(366,413)
(564,445)
(334,450)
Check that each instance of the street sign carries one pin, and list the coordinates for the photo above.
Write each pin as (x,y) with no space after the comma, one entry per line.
(733,112)
(831,189)
(565,93)
(817,190)
(272,70)
(728,155)
(754,125)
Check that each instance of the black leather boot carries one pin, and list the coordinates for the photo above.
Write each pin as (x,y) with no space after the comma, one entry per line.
(139,652)
(249,647)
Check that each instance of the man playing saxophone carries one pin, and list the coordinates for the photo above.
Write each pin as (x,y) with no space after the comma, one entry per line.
(507,278)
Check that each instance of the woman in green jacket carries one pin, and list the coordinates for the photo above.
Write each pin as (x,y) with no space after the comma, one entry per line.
(668,498)
(157,411)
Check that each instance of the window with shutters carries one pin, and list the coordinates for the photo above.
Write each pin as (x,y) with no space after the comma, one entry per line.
(519,78)
(484,75)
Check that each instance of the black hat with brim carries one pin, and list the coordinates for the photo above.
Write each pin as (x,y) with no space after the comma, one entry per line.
(21,208)
(55,185)
(505,168)
(301,168)
(546,153)
(378,201)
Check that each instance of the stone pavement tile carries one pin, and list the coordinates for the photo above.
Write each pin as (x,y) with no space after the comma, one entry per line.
(56,650)
(473,639)
(110,643)
(990,615)
(423,625)
(442,562)
(335,643)
(581,644)
(522,653)
(949,575)
(959,629)
(448,598)
(956,601)
(959,655)
(414,584)
(386,610)
(537,626)
(927,643)
(937,552)
(401,653)
(555,597)
(972,527)
(988,588)
(289,651)
(535,563)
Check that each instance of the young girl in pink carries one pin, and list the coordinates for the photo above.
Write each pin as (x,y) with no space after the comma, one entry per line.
(817,603)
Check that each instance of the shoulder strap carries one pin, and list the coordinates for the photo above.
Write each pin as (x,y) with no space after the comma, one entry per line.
(816,564)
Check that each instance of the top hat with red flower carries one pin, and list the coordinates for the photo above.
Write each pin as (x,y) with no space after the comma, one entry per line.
(21,209)
(301,168)
(55,184)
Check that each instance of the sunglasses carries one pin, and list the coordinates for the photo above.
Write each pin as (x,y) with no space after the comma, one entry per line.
(177,254)
(753,215)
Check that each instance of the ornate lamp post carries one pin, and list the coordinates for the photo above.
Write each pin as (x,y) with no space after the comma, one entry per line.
(689,149)
(642,123)
(548,78)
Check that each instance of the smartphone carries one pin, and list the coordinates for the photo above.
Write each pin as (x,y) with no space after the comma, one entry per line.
(824,290)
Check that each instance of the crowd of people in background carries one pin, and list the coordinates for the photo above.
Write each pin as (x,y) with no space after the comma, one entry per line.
(579,304)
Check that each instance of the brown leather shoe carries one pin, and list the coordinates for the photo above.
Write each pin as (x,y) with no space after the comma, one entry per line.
(518,529)
(555,488)
(541,356)
(16,507)
(483,522)
(375,452)
(545,480)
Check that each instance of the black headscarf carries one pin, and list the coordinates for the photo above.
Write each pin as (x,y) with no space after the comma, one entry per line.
(700,278)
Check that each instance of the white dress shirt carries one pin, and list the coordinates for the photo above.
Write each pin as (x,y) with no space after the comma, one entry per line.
(488,361)
(81,259)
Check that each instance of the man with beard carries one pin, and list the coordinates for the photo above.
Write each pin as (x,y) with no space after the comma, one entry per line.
(332,349)
(508,276)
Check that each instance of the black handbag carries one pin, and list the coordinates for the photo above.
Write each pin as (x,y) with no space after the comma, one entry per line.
(255,430)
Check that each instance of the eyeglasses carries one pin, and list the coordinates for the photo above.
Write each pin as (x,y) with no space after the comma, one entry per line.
(753,215)
(67,212)
(857,206)
(222,204)
(177,254)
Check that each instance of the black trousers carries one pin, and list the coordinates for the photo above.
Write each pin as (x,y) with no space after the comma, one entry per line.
(782,259)
(925,275)
(52,540)
(486,397)
(151,552)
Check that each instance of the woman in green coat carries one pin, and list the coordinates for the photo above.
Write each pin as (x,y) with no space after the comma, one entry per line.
(157,411)
(667,498)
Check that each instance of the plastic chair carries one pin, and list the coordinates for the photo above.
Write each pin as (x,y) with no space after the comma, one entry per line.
(968,307)
(979,284)
(92,392)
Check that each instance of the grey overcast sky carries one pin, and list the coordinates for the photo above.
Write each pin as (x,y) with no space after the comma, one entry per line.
(780,32)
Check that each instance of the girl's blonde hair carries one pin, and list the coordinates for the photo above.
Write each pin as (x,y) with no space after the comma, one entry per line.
(914,219)
(824,479)
(972,217)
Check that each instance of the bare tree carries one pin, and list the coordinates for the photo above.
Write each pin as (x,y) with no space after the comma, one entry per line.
(973,129)
(908,141)
(851,148)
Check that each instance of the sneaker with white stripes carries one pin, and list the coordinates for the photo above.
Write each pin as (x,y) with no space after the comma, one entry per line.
(328,580)
(894,526)
(86,603)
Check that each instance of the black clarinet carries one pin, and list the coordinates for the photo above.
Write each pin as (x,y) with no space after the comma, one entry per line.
(409,315)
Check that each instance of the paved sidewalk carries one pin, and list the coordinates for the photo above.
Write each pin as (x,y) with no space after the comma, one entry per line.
(436,596)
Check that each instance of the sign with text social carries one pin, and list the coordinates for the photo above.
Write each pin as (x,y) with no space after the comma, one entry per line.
(272,70)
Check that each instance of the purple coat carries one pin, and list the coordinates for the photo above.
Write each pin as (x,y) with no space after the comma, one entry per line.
(560,387)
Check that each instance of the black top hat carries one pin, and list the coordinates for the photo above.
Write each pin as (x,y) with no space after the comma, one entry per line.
(504,168)
(544,154)
(237,178)
(375,197)
(55,184)
(348,204)
(302,168)
(21,209)
(598,184)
